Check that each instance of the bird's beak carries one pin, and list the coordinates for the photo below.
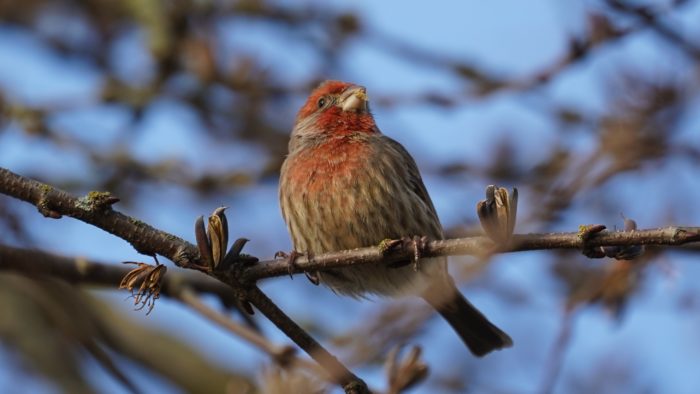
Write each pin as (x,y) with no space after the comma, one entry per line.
(354,99)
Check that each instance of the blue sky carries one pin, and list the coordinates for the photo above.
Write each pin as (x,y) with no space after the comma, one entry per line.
(511,37)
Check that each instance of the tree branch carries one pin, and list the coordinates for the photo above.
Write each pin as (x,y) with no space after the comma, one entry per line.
(84,271)
(181,286)
(78,270)
(668,236)
(652,19)
(95,209)
(283,355)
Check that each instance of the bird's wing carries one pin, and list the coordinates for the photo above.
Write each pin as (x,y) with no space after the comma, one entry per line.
(415,182)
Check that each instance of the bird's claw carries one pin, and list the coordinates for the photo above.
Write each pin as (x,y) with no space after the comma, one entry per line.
(629,252)
(585,232)
(618,252)
(291,264)
(313,277)
(416,243)
(291,258)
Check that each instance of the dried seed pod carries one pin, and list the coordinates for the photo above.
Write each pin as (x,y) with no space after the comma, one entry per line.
(203,243)
(218,235)
(148,278)
(497,213)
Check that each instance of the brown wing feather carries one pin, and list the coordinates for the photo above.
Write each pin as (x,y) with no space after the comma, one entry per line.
(414,181)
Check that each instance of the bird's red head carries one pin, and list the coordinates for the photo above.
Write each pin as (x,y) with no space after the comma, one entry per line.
(333,108)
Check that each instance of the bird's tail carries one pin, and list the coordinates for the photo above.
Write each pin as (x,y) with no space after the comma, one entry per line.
(477,332)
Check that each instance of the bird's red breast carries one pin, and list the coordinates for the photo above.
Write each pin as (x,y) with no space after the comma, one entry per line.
(320,169)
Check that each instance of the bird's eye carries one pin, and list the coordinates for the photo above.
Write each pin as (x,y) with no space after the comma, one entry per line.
(322,102)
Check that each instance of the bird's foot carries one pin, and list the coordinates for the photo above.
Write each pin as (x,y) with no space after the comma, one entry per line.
(618,252)
(291,258)
(419,244)
(416,243)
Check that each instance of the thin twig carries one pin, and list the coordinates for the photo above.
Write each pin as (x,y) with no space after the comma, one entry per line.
(667,236)
(338,372)
(281,354)
(652,20)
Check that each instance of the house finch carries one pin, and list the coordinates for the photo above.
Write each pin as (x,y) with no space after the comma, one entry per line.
(345,185)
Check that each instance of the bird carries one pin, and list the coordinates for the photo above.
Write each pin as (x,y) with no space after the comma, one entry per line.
(345,185)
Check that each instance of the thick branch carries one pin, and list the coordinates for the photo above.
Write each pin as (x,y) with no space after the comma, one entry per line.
(95,209)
